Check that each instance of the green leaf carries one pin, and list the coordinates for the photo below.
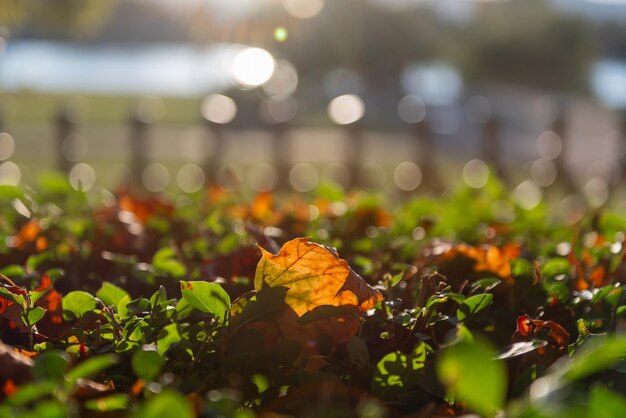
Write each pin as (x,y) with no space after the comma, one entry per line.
(168,336)
(555,266)
(596,356)
(50,365)
(91,367)
(604,403)
(13,271)
(77,303)
(110,294)
(147,364)
(158,297)
(473,305)
(167,404)
(31,392)
(485,284)
(398,373)
(36,295)
(34,315)
(358,353)
(164,262)
(5,293)
(207,297)
(117,402)
(470,370)
(122,309)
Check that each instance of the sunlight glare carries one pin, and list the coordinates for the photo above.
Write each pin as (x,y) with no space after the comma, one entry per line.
(253,67)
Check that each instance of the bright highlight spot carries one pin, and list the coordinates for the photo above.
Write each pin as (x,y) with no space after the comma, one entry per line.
(253,67)
(280,34)
(218,108)
(346,109)
(303,9)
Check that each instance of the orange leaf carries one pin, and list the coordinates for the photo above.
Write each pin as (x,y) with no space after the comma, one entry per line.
(314,276)
(28,233)
(488,258)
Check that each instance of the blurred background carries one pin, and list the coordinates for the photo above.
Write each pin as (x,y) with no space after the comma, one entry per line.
(404,95)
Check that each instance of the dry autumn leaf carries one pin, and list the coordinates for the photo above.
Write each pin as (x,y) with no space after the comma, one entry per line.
(314,276)
(487,258)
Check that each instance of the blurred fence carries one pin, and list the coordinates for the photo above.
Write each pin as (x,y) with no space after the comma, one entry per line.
(423,170)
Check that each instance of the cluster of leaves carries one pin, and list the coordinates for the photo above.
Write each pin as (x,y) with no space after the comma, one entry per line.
(215,304)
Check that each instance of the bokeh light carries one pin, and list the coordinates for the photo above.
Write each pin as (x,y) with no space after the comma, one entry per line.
(261,177)
(303,177)
(407,176)
(82,177)
(155,177)
(190,178)
(346,109)
(74,148)
(10,174)
(279,111)
(218,108)
(543,172)
(252,67)
(478,109)
(549,145)
(527,195)
(596,192)
(303,9)
(229,177)
(280,34)
(283,82)
(411,109)
(7,146)
(476,174)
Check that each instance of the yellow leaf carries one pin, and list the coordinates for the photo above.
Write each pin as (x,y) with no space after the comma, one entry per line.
(314,276)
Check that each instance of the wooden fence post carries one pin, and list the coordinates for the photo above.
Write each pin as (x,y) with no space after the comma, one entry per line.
(426,156)
(281,154)
(65,126)
(213,159)
(356,151)
(139,137)
(559,128)
(492,147)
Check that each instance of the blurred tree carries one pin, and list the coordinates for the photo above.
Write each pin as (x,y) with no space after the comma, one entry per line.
(56,18)
(374,42)
(11,12)
(527,43)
